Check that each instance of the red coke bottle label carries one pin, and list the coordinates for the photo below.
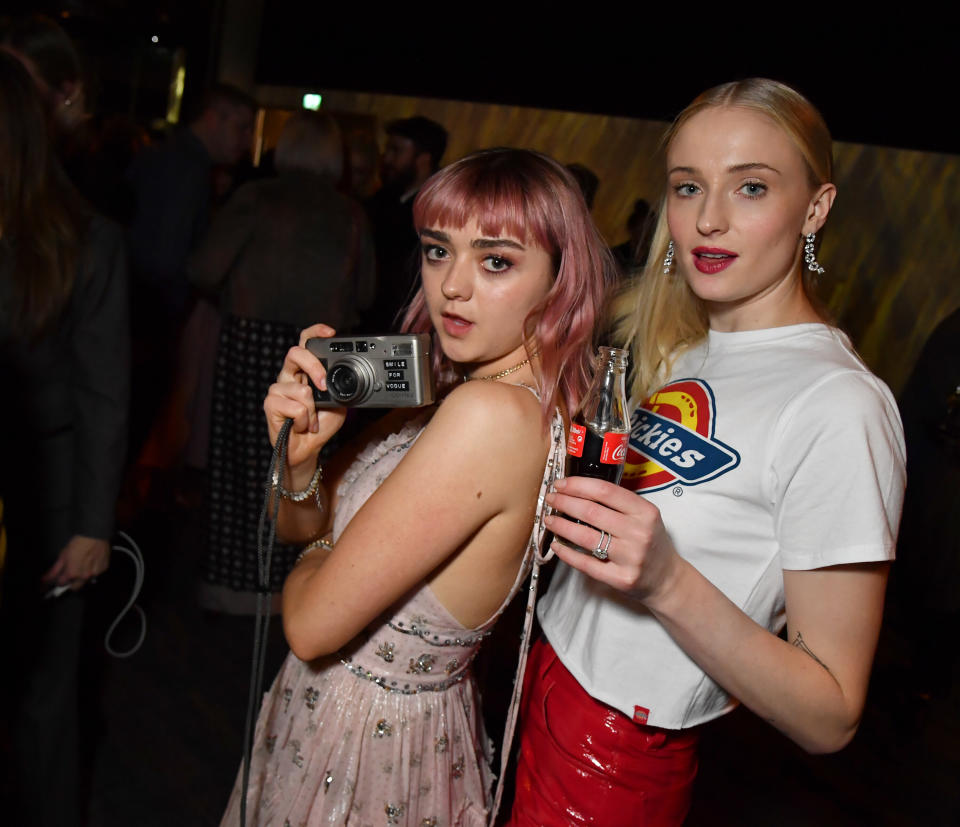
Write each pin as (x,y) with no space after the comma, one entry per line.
(614,450)
(575,440)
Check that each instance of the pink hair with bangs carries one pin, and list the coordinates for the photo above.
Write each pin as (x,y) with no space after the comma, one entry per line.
(533,198)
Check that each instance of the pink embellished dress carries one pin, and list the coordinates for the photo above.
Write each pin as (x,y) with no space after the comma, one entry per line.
(387,731)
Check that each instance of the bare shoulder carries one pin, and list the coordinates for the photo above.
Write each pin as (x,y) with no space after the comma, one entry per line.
(508,412)
(493,432)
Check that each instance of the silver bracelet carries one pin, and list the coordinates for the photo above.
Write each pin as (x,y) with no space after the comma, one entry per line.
(323,542)
(312,490)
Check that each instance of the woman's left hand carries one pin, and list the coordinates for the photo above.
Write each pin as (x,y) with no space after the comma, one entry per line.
(641,558)
(82,559)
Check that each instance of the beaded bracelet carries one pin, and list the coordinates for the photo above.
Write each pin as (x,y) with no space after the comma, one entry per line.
(312,490)
(323,542)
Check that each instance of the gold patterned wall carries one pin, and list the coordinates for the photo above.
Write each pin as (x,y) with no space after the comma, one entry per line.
(890,251)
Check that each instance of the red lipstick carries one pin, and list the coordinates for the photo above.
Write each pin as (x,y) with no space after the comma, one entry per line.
(712,259)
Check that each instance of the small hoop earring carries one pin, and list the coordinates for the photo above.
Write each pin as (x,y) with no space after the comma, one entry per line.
(668,258)
(810,257)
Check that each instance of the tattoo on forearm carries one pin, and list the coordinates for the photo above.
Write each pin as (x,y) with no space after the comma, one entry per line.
(798,642)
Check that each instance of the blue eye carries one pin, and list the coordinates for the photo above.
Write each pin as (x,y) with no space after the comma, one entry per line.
(496,264)
(753,189)
(686,190)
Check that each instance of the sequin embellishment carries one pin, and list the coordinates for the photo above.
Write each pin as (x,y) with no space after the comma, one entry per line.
(386,651)
(382,729)
(327,781)
(393,812)
(422,664)
(434,640)
(440,744)
(458,768)
(311,695)
(287,697)
(452,666)
(405,689)
(429,822)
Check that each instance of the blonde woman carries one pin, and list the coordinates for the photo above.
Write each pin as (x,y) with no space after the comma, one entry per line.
(763,488)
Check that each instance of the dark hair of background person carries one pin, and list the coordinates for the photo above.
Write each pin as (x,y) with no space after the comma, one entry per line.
(46,45)
(587,180)
(428,136)
(41,216)
(639,217)
(219,96)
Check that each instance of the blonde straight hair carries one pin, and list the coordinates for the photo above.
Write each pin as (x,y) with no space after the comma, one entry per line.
(658,315)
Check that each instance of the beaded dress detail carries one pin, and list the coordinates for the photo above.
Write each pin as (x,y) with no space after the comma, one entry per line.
(388,731)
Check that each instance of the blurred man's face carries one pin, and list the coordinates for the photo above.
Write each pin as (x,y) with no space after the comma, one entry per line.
(234,133)
(399,164)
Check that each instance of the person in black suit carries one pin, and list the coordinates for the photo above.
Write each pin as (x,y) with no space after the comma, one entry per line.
(928,579)
(64,374)
(412,154)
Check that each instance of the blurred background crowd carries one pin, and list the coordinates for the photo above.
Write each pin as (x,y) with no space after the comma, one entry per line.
(222,181)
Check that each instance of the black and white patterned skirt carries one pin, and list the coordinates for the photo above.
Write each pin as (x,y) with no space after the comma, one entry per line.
(249,357)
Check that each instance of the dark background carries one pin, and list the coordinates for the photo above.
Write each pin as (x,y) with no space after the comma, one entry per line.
(889,85)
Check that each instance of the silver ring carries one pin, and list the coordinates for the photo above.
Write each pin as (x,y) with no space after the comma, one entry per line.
(602,551)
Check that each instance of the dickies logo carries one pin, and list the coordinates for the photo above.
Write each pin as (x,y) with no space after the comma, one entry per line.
(672,440)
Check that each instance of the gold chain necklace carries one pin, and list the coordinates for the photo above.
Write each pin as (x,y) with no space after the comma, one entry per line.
(493,376)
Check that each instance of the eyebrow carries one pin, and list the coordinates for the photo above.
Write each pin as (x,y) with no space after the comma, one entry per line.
(735,168)
(478,243)
(436,235)
(484,243)
(753,165)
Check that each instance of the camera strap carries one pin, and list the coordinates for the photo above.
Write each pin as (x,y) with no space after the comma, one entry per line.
(261,625)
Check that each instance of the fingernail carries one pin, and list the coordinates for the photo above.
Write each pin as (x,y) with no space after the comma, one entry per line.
(560,484)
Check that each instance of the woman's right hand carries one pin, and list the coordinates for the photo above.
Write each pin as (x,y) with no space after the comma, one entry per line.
(291,397)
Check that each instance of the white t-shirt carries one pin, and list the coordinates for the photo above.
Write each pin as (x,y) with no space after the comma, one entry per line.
(766,450)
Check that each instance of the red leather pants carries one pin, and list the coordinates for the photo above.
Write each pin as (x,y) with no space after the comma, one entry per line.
(583,762)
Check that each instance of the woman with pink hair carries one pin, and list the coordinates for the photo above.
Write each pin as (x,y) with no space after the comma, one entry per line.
(435,521)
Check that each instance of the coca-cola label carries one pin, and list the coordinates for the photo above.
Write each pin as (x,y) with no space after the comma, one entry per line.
(578,433)
(614,450)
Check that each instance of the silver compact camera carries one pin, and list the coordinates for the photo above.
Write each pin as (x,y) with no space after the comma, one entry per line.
(375,371)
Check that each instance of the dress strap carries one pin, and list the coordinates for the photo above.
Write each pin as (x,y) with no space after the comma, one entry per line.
(552,471)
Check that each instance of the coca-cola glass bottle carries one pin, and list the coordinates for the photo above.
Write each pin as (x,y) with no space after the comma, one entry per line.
(597,444)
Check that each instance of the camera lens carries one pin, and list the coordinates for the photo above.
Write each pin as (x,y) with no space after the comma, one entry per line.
(343,382)
(351,379)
